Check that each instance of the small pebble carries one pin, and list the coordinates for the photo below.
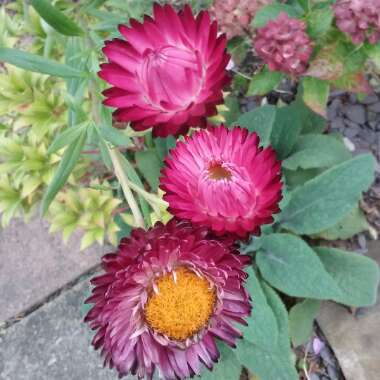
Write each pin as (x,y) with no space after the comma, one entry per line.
(362,242)
(349,144)
(338,124)
(374,107)
(355,113)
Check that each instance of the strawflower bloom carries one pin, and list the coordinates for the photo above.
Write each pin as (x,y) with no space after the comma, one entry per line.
(235,16)
(220,178)
(360,19)
(166,295)
(284,45)
(167,73)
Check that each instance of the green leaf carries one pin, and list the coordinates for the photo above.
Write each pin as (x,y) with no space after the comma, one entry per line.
(262,326)
(273,363)
(64,170)
(56,18)
(163,145)
(301,319)
(315,94)
(133,176)
(270,12)
(373,52)
(67,137)
(114,135)
(311,121)
(316,151)
(149,165)
(296,178)
(227,368)
(356,275)
(290,265)
(264,82)
(233,112)
(286,130)
(319,21)
(260,120)
(323,201)
(38,64)
(351,224)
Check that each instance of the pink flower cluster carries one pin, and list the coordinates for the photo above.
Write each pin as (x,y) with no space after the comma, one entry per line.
(284,45)
(235,16)
(360,19)
(168,293)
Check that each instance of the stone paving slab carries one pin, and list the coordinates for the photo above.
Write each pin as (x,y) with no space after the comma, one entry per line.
(355,339)
(34,264)
(52,343)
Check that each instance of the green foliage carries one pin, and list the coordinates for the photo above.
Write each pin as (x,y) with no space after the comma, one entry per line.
(301,318)
(316,151)
(320,202)
(351,224)
(357,276)
(38,64)
(56,19)
(272,361)
(270,12)
(263,82)
(66,166)
(291,266)
(87,209)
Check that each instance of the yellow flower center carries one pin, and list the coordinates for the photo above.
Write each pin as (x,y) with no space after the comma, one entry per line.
(217,171)
(182,306)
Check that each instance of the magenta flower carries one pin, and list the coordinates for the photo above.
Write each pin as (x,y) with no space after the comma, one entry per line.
(235,16)
(221,178)
(165,296)
(168,73)
(360,19)
(284,45)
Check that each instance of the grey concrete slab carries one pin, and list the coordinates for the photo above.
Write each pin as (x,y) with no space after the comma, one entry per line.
(35,264)
(52,343)
(355,339)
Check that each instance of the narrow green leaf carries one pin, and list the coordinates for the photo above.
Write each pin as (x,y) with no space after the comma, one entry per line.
(291,266)
(357,276)
(264,82)
(114,136)
(56,19)
(301,319)
(323,201)
(67,164)
(38,64)
(133,176)
(67,137)
(270,12)
(149,165)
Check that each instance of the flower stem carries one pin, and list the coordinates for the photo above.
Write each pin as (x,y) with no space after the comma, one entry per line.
(124,182)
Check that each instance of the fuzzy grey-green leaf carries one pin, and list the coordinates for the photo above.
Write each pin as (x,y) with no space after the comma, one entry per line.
(321,202)
(357,276)
(290,265)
